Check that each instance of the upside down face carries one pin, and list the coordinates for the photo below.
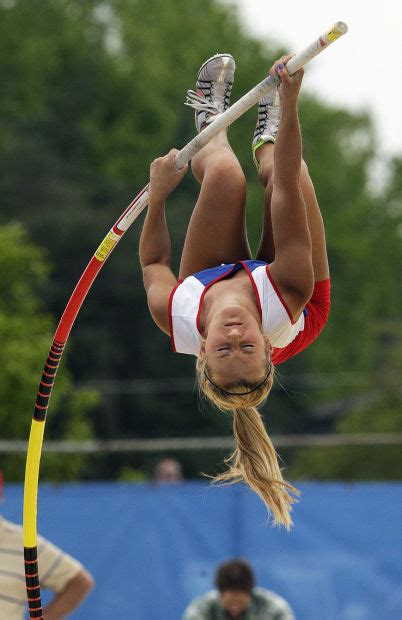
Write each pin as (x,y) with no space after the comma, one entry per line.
(235,347)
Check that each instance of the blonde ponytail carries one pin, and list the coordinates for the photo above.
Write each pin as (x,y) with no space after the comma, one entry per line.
(254,460)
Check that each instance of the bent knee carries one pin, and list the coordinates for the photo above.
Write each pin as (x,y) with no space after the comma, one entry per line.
(226,173)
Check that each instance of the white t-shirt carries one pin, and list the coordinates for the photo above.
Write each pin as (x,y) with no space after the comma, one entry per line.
(56,569)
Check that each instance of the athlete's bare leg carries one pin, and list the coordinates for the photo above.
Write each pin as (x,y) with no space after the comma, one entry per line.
(266,250)
(217,229)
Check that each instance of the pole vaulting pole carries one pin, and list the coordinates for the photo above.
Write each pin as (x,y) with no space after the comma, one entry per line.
(80,292)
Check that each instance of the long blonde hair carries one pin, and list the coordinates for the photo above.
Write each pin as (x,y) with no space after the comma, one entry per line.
(254,459)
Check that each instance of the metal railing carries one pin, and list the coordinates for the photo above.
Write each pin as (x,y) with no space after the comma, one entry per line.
(203,443)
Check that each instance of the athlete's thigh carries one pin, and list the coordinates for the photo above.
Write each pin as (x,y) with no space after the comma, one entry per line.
(266,248)
(217,229)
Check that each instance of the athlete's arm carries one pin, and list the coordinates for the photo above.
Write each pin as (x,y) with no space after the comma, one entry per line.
(155,246)
(317,315)
(159,281)
(292,268)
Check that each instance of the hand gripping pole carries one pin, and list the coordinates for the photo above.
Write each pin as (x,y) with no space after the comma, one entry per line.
(80,292)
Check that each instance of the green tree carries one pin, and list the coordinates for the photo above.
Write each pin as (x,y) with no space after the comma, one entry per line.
(377,405)
(93,91)
(25,334)
(110,100)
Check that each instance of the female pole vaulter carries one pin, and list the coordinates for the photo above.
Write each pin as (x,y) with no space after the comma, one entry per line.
(241,316)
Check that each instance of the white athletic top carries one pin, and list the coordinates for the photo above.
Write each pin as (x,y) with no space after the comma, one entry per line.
(187,297)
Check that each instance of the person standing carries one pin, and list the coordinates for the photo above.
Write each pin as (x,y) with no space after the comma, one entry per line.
(59,572)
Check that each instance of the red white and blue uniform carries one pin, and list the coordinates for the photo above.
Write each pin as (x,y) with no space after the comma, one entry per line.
(287,337)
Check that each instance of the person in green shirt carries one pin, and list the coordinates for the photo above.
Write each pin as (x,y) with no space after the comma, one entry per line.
(237,598)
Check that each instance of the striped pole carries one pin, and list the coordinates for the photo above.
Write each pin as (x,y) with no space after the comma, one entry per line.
(31,478)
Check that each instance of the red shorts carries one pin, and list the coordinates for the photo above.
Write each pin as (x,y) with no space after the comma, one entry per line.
(317,315)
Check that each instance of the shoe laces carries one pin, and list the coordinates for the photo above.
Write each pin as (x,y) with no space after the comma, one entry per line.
(212,97)
(200,103)
(268,118)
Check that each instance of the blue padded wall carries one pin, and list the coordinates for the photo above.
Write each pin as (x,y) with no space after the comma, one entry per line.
(152,549)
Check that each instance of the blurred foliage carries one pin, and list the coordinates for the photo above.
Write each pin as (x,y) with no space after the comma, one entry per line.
(25,334)
(92,91)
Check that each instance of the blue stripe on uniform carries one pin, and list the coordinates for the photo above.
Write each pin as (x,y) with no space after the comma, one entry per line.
(208,275)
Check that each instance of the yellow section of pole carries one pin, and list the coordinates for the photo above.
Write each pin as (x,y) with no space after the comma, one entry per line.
(31,481)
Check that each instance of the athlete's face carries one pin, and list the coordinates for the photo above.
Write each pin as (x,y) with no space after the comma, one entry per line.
(235,347)
(235,602)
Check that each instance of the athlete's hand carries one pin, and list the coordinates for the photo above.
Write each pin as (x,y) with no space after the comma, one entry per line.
(289,86)
(164,176)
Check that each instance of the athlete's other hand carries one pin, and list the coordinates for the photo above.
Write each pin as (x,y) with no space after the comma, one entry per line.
(289,86)
(164,176)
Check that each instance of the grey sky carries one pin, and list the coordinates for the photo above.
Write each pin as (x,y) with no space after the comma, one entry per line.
(361,70)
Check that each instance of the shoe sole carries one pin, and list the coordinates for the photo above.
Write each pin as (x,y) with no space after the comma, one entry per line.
(212,58)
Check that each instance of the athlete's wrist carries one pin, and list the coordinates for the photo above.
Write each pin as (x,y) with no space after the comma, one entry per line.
(157,201)
(289,105)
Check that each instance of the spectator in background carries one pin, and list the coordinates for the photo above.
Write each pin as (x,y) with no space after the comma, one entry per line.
(237,598)
(167,470)
(59,572)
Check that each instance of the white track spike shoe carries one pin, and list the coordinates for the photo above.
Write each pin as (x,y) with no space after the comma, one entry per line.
(214,84)
(268,119)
